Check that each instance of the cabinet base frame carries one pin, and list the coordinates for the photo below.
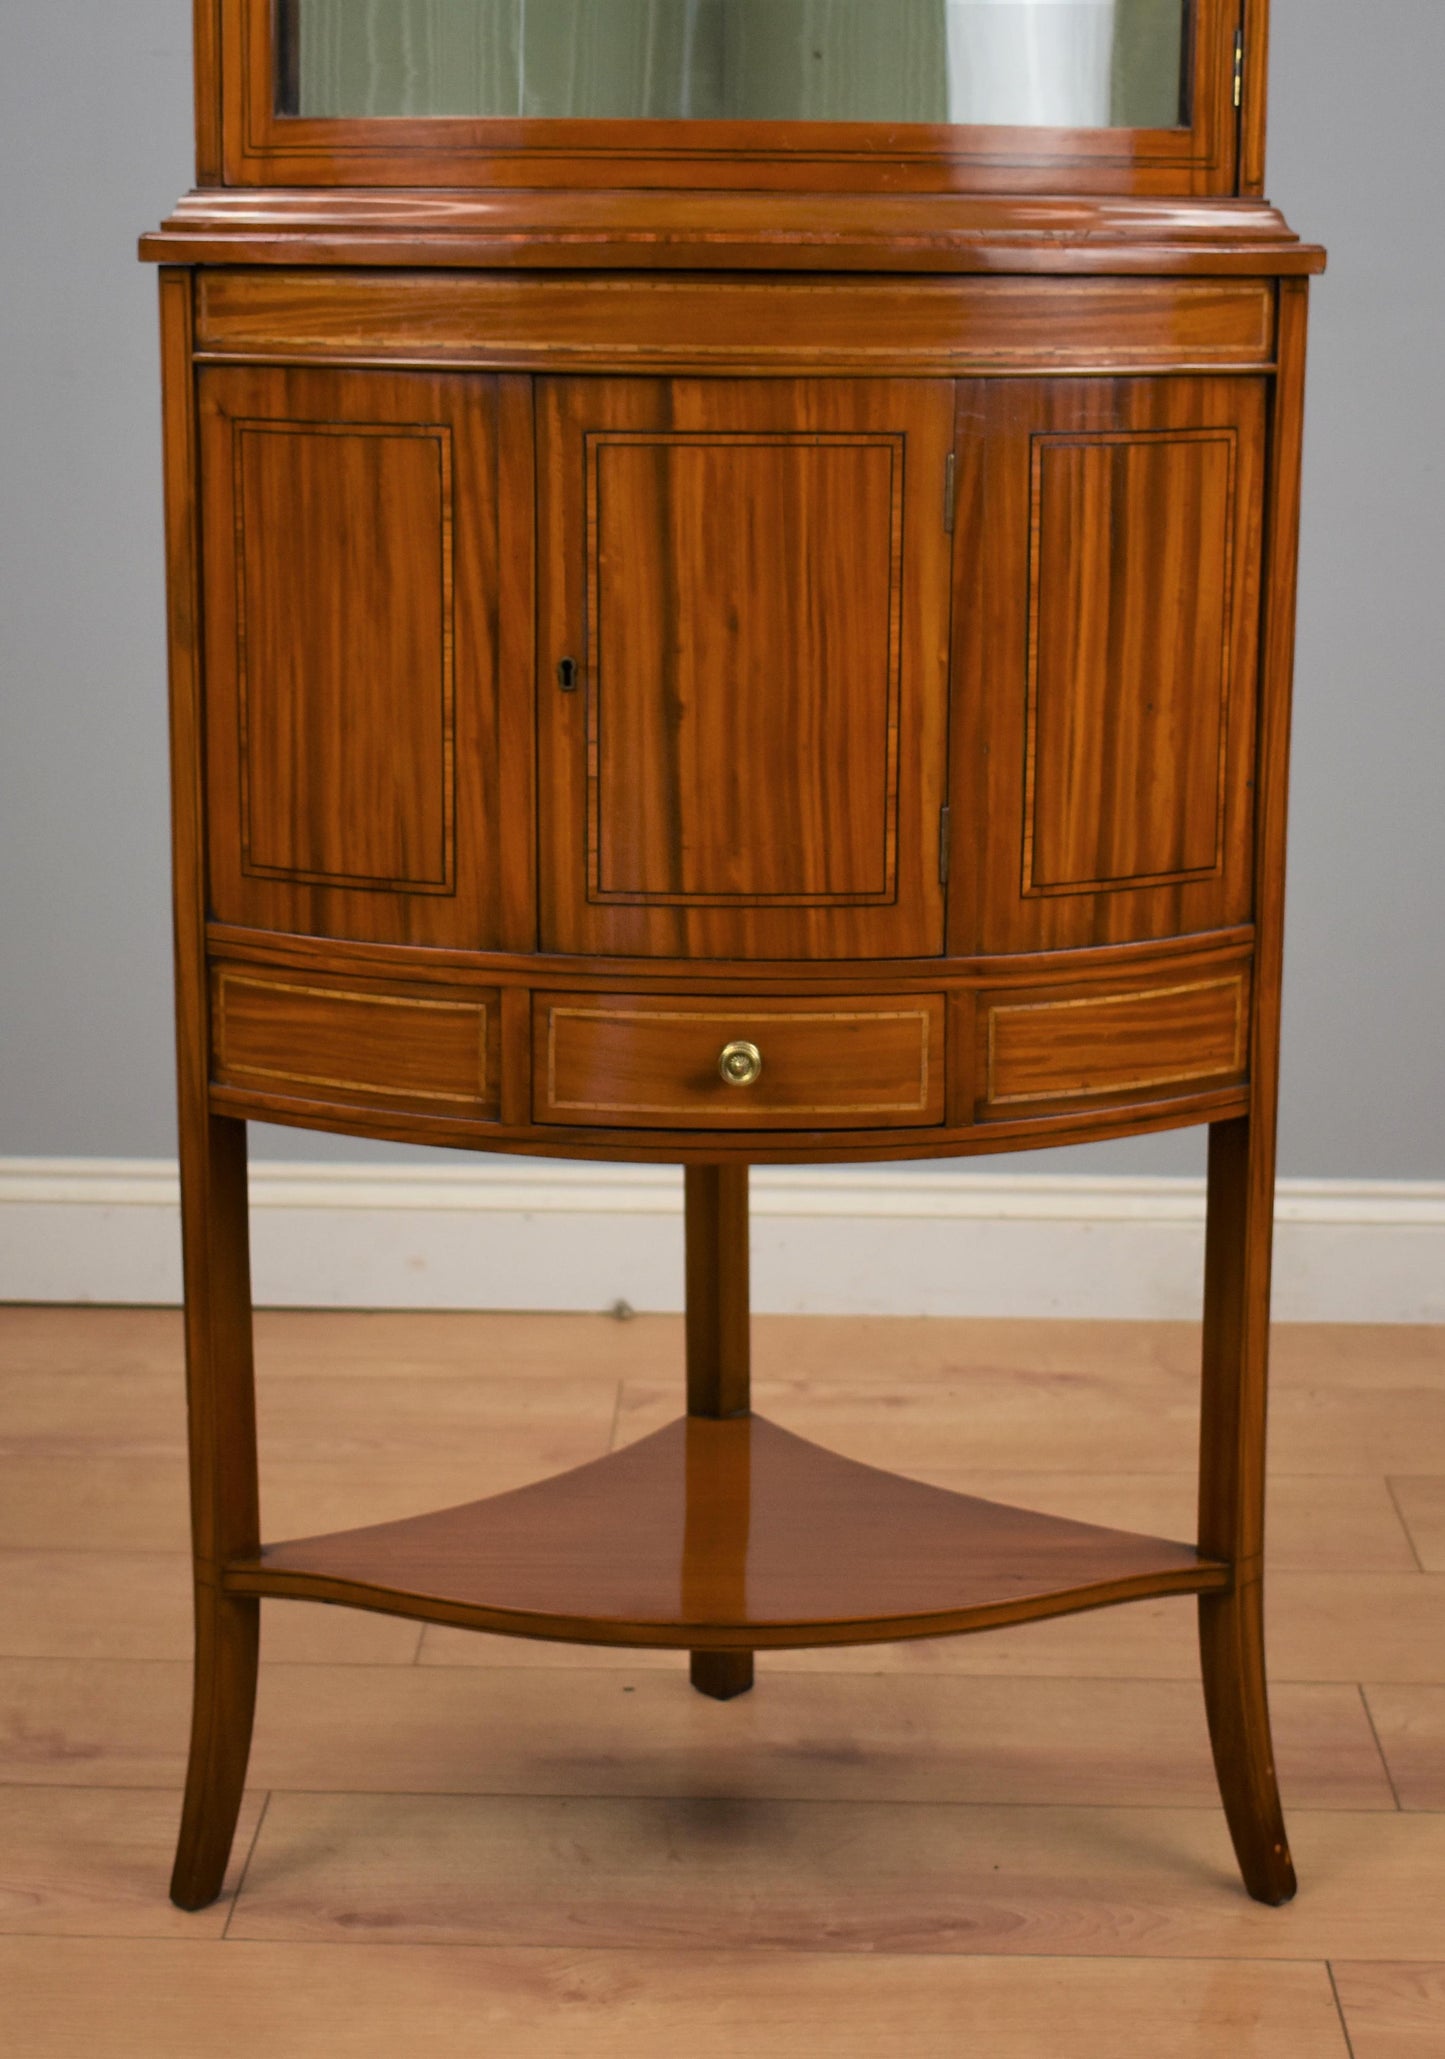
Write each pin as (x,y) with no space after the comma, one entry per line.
(724,1535)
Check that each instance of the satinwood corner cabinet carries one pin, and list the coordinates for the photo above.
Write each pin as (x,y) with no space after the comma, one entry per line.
(731,584)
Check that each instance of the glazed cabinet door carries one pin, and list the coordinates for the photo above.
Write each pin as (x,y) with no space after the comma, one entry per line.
(743,631)
(350,525)
(1107,623)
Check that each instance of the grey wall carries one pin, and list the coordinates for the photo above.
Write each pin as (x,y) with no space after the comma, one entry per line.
(94,146)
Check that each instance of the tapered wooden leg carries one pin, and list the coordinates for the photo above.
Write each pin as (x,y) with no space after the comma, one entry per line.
(1231,1502)
(719,1363)
(224,1497)
(722,1675)
(225,1518)
(1231,1641)
(228,1647)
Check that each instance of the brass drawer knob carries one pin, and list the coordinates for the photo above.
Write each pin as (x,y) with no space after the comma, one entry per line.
(741,1065)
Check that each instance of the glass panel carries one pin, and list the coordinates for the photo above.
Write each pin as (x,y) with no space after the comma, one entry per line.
(1033,63)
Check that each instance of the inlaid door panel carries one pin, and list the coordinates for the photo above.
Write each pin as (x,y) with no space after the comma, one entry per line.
(351,541)
(743,592)
(1107,621)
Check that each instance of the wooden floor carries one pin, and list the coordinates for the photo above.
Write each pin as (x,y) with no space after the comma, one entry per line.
(1000,1846)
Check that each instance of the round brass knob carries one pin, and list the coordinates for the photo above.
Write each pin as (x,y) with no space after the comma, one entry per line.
(741,1065)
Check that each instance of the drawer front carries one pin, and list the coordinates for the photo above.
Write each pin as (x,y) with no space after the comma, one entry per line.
(620,1061)
(1164,1040)
(589,323)
(304,1038)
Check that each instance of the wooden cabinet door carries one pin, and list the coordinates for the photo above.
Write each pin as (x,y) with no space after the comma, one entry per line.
(744,611)
(1107,624)
(355,739)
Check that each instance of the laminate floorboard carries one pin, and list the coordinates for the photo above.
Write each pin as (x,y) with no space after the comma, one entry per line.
(1410,1724)
(1393,2011)
(864,1737)
(1421,1503)
(137,1605)
(1091,1417)
(865,1877)
(375,2001)
(1315,1525)
(94,1862)
(1007,1844)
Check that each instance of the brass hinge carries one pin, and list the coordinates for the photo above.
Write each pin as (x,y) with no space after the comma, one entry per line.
(944,842)
(950,492)
(1239,67)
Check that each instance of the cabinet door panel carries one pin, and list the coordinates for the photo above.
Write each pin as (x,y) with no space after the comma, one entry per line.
(1108,619)
(350,531)
(750,579)
(348,730)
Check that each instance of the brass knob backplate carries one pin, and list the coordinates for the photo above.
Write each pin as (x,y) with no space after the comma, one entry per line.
(741,1065)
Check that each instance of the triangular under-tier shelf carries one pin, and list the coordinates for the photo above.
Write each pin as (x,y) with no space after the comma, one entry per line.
(718,1535)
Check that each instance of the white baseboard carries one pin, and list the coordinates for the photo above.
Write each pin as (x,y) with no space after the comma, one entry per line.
(522,1235)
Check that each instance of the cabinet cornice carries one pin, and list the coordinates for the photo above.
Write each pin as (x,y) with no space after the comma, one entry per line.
(808,232)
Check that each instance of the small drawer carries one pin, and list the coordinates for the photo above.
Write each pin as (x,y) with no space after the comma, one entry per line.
(1169,1038)
(307,1038)
(622,1061)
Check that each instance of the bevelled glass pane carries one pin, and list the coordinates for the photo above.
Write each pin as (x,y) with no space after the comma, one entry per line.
(1032,63)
